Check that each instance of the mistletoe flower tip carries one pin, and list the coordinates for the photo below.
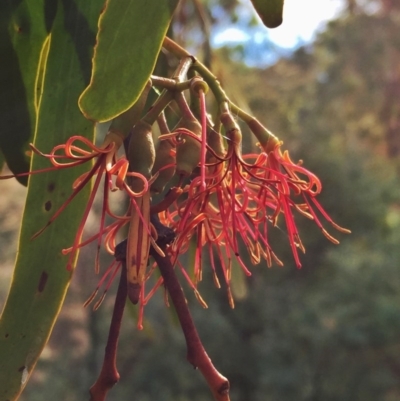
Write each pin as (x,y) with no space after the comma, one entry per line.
(292,181)
(238,197)
(107,165)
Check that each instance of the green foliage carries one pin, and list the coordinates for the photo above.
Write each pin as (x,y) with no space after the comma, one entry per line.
(327,332)
(23,31)
(40,279)
(129,38)
(49,49)
(270,11)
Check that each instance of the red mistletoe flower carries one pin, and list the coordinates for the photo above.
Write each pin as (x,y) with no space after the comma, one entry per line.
(236,198)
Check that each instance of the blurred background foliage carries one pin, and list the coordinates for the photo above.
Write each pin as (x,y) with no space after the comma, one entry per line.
(327,332)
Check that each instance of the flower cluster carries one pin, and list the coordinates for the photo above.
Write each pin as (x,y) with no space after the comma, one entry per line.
(233,206)
(196,182)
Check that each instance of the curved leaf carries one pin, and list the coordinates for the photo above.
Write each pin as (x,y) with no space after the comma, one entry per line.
(40,278)
(270,11)
(129,39)
(22,32)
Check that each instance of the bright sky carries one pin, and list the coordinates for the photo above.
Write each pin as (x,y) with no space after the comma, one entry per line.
(301,20)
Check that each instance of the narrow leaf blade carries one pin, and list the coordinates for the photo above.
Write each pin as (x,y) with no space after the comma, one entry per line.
(129,39)
(22,33)
(40,279)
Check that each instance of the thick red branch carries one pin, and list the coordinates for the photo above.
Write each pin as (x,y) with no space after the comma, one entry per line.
(109,375)
(196,354)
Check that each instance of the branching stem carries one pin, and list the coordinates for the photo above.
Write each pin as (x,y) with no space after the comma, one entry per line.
(196,354)
(215,86)
(170,84)
(109,375)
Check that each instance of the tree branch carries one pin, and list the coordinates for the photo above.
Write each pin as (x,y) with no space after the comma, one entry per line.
(109,375)
(196,353)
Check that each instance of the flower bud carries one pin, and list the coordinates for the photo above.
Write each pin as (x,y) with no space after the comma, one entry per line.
(164,165)
(215,142)
(141,152)
(188,151)
(268,141)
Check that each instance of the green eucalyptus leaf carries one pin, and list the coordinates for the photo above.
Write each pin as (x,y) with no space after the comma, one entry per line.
(130,36)
(23,30)
(40,277)
(270,11)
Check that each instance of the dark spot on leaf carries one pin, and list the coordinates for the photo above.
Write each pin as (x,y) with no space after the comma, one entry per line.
(51,186)
(42,281)
(47,206)
(6,335)
(21,369)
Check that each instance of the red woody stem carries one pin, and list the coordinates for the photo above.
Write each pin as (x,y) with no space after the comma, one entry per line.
(109,375)
(196,354)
